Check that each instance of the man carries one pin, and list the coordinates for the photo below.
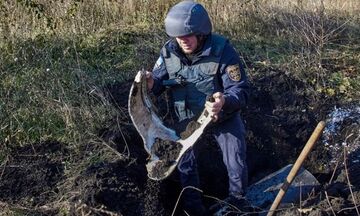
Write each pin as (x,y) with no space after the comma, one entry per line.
(195,64)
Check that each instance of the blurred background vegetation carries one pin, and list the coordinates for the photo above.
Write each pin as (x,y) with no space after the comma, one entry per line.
(58,57)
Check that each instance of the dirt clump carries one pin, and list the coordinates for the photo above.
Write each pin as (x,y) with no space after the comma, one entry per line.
(167,151)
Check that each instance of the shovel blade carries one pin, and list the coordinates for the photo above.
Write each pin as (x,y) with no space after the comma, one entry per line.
(263,193)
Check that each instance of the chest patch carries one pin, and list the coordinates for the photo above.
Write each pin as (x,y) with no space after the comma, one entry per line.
(233,72)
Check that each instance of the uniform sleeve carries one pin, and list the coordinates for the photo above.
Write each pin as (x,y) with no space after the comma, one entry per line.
(159,74)
(234,81)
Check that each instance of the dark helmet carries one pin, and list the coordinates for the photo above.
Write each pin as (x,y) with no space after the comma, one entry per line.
(187,17)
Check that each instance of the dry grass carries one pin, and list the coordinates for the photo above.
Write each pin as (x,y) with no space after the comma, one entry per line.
(28,18)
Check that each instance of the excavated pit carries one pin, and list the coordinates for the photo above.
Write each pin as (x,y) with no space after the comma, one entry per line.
(279,119)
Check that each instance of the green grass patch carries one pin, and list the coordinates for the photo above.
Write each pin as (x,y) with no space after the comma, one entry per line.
(262,49)
(52,88)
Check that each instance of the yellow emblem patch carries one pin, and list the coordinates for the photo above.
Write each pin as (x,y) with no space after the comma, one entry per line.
(233,72)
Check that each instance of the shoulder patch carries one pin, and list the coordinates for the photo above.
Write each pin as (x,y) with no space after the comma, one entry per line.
(233,72)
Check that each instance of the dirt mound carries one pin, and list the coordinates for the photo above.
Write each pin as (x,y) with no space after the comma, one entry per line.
(279,119)
(31,173)
(115,186)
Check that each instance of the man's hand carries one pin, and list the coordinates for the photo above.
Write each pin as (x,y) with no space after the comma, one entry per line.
(149,80)
(215,107)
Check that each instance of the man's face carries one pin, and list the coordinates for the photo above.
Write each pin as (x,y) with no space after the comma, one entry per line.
(188,43)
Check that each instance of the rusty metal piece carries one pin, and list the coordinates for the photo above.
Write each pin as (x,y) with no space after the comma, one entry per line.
(152,130)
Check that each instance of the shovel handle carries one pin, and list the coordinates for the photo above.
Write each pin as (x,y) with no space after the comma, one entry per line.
(299,161)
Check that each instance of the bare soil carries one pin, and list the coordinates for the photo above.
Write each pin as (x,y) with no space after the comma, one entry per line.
(31,173)
(280,117)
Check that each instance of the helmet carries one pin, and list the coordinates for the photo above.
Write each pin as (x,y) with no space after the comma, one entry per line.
(187,17)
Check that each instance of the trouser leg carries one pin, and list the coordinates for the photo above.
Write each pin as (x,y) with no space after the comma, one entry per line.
(189,176)
(230,136)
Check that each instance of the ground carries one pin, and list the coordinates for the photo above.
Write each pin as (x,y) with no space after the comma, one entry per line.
(280,117)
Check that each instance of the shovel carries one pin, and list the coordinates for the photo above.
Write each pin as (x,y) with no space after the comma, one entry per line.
(164,147)
(288,184)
